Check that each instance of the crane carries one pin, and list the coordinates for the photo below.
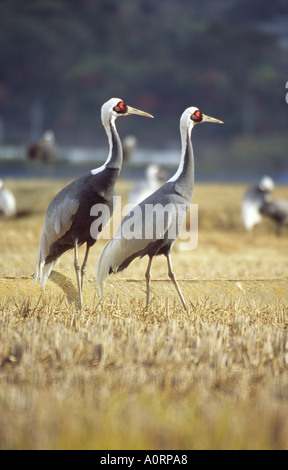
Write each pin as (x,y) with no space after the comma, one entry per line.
(253,201)
(277,211)
(169,203)
(146,187)
(257,202)
(43,150)
(129,145)
(68,220)
(7,201)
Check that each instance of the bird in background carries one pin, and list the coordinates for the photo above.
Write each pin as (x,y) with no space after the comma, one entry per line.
(174,197)
(68,220)
(253,200)
(129,145)
(258,202)
(7,201)
(44,150)
(147,186)
(277,211)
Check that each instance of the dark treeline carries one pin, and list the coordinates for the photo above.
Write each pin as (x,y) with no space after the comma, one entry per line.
(60,60)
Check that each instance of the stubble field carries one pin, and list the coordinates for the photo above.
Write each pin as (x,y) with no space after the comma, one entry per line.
(118,376)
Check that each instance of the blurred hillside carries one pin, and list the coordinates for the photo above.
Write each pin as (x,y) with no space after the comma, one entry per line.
(60,60)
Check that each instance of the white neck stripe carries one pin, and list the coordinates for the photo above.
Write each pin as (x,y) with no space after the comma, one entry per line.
(109,135)
(185,135)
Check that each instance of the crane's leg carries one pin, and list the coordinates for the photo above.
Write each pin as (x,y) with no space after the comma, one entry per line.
(147,276)
(84,264)
(77,269)
(173,279)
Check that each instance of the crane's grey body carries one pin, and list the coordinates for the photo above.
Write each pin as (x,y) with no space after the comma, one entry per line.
(68,219)
(258,202)
(173,201)
(172,207)
(70,211)
(277,211)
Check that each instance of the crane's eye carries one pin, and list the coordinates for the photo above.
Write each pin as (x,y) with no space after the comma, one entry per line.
(197,116)
(121,107)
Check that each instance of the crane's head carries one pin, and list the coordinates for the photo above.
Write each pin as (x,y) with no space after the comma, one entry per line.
(266,185)
(192,116)
(116,107)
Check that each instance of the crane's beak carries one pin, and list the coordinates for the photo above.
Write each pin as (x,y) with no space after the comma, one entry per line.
(131,110)
(210,119)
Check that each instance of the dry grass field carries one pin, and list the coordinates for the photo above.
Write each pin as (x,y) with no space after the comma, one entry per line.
(118,376)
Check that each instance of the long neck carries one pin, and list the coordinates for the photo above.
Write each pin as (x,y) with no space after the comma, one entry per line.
(184,176)
(115,156)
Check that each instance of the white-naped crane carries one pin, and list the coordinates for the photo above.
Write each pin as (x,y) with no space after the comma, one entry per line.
(278,212)
(44,150)
(129,145)
(68,220)
(253,201)
(258,202)
(7,201)
(147,186)
(170,203)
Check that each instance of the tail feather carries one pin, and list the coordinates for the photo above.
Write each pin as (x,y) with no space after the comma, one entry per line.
(38,271)
(116,255)
(103,267)
(47,268)
(43,270)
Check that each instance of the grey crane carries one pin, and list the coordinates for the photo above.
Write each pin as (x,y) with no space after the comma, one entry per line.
(257,202)
(129,144)
(44,150)
(254,199)
(146,187)
(68,220)
(170,203)
(277,211)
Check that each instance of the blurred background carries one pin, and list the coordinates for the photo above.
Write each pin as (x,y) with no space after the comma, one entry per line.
(62,59)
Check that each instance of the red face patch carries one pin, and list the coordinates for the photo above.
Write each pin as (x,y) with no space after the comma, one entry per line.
(120,107)
(197,116)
